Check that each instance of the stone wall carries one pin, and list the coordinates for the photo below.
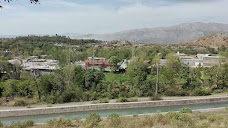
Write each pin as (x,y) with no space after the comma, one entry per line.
(96,107)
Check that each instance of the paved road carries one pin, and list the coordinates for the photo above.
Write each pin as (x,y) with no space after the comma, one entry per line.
(113,101)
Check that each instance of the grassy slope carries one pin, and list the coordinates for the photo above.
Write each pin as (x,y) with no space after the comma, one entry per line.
(209,119)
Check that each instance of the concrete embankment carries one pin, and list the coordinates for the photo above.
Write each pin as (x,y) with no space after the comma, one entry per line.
(108,106)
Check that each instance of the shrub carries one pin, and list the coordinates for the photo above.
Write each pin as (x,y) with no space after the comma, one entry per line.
(133,99)
(202,116)
(93,96)
(25,124)
(52,122)
(159,118)
(213,118)
(78,123)
(16,125)
(61,122)
(107,94)
(104,100)
(185,110)
(135,115)
(29,106)
(95,102)
(1,125)
(201,92)
(203,125)
(175,92)
(68,122)
(179,118)
(28,123)
(49,105)
(92,120)
(114,120)
(218,91)
(156,98)
(50,99)
(226,123)
(226,108)
(122,99)
(147,121)
(20,103)
(86,96)
(69,96)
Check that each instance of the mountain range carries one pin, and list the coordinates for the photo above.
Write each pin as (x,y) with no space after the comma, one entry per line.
(187,32)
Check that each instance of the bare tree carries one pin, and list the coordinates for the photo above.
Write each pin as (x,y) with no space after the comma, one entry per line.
(32,1)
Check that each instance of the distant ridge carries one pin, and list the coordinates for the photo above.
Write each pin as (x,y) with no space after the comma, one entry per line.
(8,36)
(181,33)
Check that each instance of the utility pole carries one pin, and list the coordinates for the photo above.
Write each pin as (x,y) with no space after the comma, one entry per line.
(133,50)
(157,79)
(93,52)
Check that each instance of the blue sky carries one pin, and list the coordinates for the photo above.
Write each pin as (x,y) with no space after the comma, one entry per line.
(105,16)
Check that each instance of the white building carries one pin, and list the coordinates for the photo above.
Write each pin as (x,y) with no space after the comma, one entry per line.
(33,63)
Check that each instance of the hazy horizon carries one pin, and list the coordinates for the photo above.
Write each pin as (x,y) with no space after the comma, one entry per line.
(52,17)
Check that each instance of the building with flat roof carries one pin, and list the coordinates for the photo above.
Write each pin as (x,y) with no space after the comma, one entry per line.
(205,60)
(33,63)
(99,63)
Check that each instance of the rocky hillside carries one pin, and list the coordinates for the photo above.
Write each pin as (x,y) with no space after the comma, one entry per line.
(213,41)
(187,32)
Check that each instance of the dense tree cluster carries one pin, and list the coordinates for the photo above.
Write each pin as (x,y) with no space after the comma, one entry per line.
(71,83)
(56,47)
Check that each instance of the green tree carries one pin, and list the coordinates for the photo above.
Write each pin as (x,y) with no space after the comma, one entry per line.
(93,79)
(156,59)
(114,60)
(10,87)
(26,88)
(173,61)
(79,76)
(37,52)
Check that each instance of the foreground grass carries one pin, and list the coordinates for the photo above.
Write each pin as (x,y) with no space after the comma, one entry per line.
(182,119)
